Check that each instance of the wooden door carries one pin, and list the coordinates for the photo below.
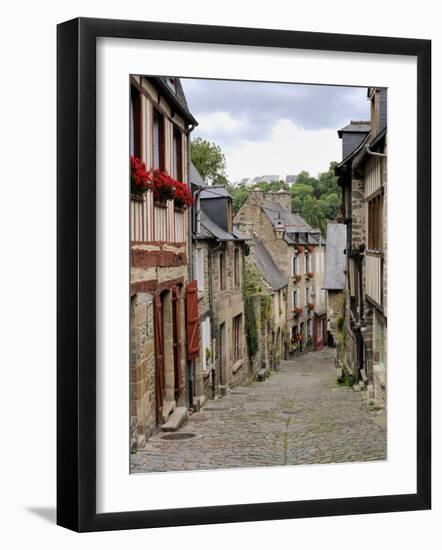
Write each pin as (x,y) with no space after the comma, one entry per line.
(177,342)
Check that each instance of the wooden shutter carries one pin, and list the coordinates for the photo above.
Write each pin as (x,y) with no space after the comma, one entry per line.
(159,355)
(177,341)
(192,321)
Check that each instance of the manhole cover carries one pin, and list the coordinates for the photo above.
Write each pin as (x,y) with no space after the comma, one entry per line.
(178,436)
(214,409)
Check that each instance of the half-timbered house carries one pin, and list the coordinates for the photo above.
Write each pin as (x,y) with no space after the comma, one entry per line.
(164,320)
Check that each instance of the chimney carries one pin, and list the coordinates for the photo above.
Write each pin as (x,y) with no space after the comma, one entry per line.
(282,197)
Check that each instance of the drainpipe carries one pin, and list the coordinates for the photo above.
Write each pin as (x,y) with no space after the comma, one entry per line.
(373,153)
(190,370)
(211,309)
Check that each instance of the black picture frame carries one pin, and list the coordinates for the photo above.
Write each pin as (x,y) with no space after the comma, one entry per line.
(76,274)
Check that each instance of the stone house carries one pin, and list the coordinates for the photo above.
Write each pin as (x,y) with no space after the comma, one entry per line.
(298,251)
(218,265)
(363,177)
(163,333)
(334,280)
(270,303)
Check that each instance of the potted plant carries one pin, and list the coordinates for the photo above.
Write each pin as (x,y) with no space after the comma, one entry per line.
(298,278)
(311,306)
(298,310)
(140,177)
(162,187)
(182,196)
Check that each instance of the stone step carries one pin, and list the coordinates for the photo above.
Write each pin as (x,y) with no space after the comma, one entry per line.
(168,408)
(176,420)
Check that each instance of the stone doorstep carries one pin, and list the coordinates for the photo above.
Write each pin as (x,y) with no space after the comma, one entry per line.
(168,408)
(176,420)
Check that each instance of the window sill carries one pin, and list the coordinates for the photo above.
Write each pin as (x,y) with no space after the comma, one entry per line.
(237,365)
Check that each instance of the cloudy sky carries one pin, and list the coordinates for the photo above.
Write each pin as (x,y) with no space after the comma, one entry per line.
(266,128)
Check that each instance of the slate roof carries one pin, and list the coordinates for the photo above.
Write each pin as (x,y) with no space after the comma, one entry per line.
(178,99)
(214,191)
(266,265)
(335,258)
(195,176)
(293,222)
(214,230)
(357,126)
(239,235)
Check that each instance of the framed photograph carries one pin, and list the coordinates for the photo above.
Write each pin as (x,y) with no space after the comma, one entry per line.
(244,251)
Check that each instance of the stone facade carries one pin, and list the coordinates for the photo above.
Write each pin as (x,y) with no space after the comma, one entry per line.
(363,178)
(282,233)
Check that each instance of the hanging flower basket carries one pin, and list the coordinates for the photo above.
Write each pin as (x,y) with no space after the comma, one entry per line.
(298,311)
(311,306)
(300,247)
(140,177)
(310,274)
(298,278)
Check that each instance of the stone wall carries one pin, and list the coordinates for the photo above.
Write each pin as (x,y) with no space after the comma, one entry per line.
(142,369)
(227,304)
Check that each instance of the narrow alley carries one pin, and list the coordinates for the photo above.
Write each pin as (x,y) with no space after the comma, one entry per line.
(299,415)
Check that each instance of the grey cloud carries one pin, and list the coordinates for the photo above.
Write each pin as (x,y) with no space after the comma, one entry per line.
(261,105)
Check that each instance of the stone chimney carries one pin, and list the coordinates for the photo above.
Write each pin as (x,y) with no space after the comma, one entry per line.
(256,196)
(282,197)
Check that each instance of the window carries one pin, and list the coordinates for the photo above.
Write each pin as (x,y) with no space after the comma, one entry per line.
(206,343)
(237,267)
(307,263)
(158,140)
(222,271)
(236,337)
(375,213)
(295,299)
(307,295)
(294,266)
(199,267)
(135,122)
(177,154)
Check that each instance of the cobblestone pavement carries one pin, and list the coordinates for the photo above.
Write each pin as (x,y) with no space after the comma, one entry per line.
(299,415)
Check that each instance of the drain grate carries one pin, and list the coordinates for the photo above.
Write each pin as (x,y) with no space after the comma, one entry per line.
(215,409)
(179,436)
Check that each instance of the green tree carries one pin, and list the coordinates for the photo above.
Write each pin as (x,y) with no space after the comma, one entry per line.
(209,160)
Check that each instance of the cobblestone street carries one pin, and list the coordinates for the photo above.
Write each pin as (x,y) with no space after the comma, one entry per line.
(299,415)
